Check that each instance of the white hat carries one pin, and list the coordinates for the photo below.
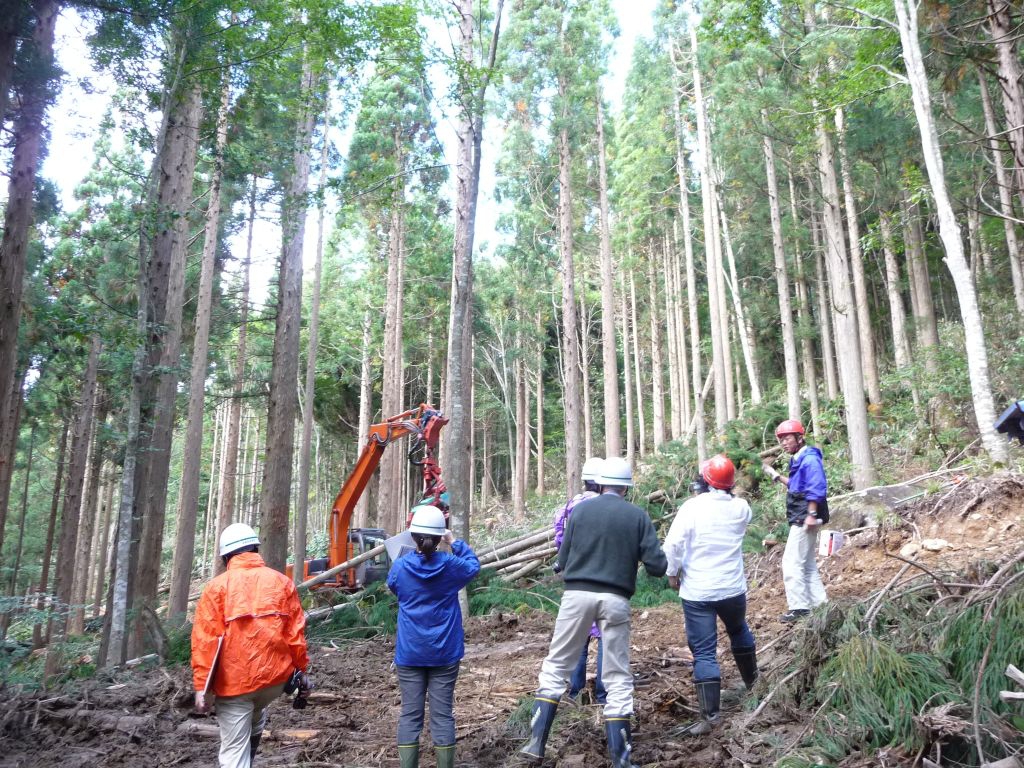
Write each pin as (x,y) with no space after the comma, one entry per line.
(428,520)
(592,469)
(235,537)
(616,471)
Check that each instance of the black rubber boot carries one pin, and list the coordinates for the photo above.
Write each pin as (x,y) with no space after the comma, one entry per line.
(544,710)
(709,698)
(746,663)
(620,741)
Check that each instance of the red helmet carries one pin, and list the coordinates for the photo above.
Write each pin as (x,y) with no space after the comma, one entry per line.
(789,427)
(719,472)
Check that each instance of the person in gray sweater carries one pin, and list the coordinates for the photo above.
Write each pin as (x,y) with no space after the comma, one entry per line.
(605,539)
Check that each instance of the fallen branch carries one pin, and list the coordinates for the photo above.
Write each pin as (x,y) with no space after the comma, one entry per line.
(938,582)
(869,617)
(771,694)
(1015,674)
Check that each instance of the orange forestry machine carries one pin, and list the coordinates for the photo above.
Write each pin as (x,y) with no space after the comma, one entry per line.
(424,424)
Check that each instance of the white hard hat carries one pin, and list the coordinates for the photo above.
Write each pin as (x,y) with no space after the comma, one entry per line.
(428,520)
(235,537)
(592,469)
(616,471)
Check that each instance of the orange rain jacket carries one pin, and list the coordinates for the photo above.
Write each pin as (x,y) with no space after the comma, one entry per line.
(257,610)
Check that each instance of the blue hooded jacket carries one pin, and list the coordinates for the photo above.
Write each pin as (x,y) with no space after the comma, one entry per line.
(807,482)
(429,617)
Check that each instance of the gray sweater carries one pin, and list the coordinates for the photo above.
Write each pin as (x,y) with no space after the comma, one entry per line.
(605,539)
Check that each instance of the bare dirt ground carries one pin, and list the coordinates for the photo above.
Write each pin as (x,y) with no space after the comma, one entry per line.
(143,718)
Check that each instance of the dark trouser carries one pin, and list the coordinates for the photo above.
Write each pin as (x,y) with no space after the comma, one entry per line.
(578,681)
(702,632)
(415,684)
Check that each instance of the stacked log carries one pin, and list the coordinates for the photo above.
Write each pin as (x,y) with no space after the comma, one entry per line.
(520,556)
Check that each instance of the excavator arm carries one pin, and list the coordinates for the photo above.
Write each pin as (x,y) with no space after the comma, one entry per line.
(425,424)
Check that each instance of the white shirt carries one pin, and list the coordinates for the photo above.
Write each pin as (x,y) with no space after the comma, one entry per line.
(704,546)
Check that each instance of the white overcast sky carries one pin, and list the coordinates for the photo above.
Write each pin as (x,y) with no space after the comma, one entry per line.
(76,115)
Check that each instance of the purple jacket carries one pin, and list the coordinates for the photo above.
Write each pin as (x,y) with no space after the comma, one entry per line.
(561,518)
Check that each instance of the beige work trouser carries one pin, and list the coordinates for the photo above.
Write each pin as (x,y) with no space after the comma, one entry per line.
(576,614)
(241,720)
(800,576)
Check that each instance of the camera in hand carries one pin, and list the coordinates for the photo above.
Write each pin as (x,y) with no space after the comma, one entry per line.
(298,684)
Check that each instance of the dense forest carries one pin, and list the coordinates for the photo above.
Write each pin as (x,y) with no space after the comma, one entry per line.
(806,210)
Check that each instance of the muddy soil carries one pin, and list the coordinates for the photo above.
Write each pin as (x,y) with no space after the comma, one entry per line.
(143,717)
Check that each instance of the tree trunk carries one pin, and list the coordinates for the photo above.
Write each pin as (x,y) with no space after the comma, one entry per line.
(83,554)
(949,232)
(362,511)
(570,324)
(718,360)
(691,285)
(540,404)
(588,426)
(166,282)
(674,399)
(1005,194)
(680,322)
(226,507)
(627,374)
(897,312)
(869,364)
(51,527)
(637,365)
(925,325)
(1005,33)
(188,495)
(392,464)
(71,516)
(792,369)
(306,445)
(522,436)
(657,374)
(27,139)
(12,585)
(284,372)
(804,314)
(742,327)
(824,316)
(103,550)
(459,364)
(610,366)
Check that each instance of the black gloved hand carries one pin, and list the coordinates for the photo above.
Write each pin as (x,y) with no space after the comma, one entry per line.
(557,567)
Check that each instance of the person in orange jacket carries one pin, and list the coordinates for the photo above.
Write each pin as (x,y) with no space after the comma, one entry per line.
(256,611)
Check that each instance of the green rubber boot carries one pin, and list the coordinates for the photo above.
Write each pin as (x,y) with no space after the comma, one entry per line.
(409,755)
(445,756)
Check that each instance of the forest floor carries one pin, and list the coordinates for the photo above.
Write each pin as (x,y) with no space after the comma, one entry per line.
(144,717)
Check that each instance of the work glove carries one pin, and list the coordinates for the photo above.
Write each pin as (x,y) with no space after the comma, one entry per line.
(557,567)
(770,471)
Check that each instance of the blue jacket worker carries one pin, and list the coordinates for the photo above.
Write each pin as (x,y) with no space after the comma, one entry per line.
(806,511)
(429,643)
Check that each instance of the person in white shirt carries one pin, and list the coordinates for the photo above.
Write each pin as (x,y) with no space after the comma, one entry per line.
(704,548)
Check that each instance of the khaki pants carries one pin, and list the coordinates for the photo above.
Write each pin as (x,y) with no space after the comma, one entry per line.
(576,613)
(241,720)
(800,575)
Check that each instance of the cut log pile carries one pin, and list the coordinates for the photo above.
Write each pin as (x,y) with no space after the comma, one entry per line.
(521,556)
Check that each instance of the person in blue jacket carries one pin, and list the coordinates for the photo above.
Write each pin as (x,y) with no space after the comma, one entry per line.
(429,644)
(806,511)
